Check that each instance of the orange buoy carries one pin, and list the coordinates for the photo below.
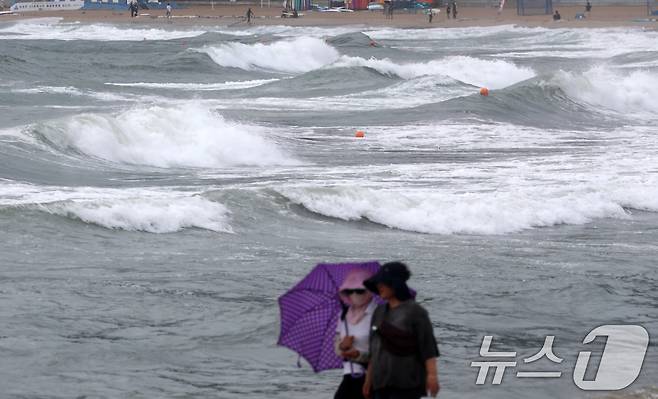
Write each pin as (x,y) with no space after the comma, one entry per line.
(484,91)
(360,134)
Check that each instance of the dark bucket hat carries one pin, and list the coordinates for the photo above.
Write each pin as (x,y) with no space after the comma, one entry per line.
(394,275)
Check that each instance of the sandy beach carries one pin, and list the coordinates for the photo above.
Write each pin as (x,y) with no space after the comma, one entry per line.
(468,16)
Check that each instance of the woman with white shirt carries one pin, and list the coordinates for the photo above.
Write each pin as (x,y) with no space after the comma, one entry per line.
(353,332)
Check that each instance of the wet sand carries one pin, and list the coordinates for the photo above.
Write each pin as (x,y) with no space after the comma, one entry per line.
(225,15)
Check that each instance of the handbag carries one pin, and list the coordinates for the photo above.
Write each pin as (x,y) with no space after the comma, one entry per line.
(396,340)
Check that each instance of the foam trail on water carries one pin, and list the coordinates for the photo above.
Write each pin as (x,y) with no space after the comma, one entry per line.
(52,29)
(198,86)
(186,136)
(537,41)
(291,31)
(448,33)
(71,91)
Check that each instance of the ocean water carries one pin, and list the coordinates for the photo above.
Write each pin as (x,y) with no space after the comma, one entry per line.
(160,187)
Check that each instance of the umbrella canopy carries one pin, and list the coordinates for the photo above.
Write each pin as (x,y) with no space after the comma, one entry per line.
(310,311)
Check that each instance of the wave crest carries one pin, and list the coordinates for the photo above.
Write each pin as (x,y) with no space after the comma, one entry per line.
(186,136)
(152,215)
(307,54)
(633,92)
(449,213)
(494,74)
(289,56)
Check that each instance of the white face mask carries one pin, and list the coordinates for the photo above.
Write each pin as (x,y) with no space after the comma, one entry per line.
(359,300)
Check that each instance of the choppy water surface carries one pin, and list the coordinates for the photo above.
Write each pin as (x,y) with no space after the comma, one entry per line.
(161,187)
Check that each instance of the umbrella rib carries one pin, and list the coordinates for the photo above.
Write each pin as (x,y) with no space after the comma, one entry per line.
(307,311)
(326,328)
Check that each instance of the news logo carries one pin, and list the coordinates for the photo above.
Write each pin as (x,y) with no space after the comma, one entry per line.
(620,365)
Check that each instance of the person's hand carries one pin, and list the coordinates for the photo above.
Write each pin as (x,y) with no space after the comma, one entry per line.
(346,343)
(432,385)
(366,390)
(350,354)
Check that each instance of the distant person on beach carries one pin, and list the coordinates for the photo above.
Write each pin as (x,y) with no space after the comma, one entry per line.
(403,349)
(430,15)
(448,11)
(388,9)
(556,16)
(588,7)
(353,333)
(454,10)
(168,10)
(250,15)
(133,8)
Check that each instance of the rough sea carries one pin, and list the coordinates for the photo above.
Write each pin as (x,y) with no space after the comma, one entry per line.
(161,186)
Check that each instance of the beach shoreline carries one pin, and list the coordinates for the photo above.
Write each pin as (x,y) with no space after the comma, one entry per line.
(233,15)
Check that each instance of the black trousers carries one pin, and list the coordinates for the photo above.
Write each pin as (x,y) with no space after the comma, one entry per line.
(397,393)
(350,387)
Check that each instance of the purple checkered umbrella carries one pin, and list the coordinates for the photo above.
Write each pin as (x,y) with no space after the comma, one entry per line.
(310,310)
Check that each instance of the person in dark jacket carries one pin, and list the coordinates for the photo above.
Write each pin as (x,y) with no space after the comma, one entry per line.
(403,349)
(133,8)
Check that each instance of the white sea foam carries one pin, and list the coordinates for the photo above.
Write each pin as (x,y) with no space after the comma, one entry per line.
(403,94)
(198,86)
(578,43)
(535,42)
(609,42)
(307,54)
(447,212)
(291,31)
(623,91)
(494,74)
(463,136)
(71,91)
(186,136)
(447,33)
(288,56)
(50,90)
(138,209)
(153,215)
(516,178)
(53,29)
